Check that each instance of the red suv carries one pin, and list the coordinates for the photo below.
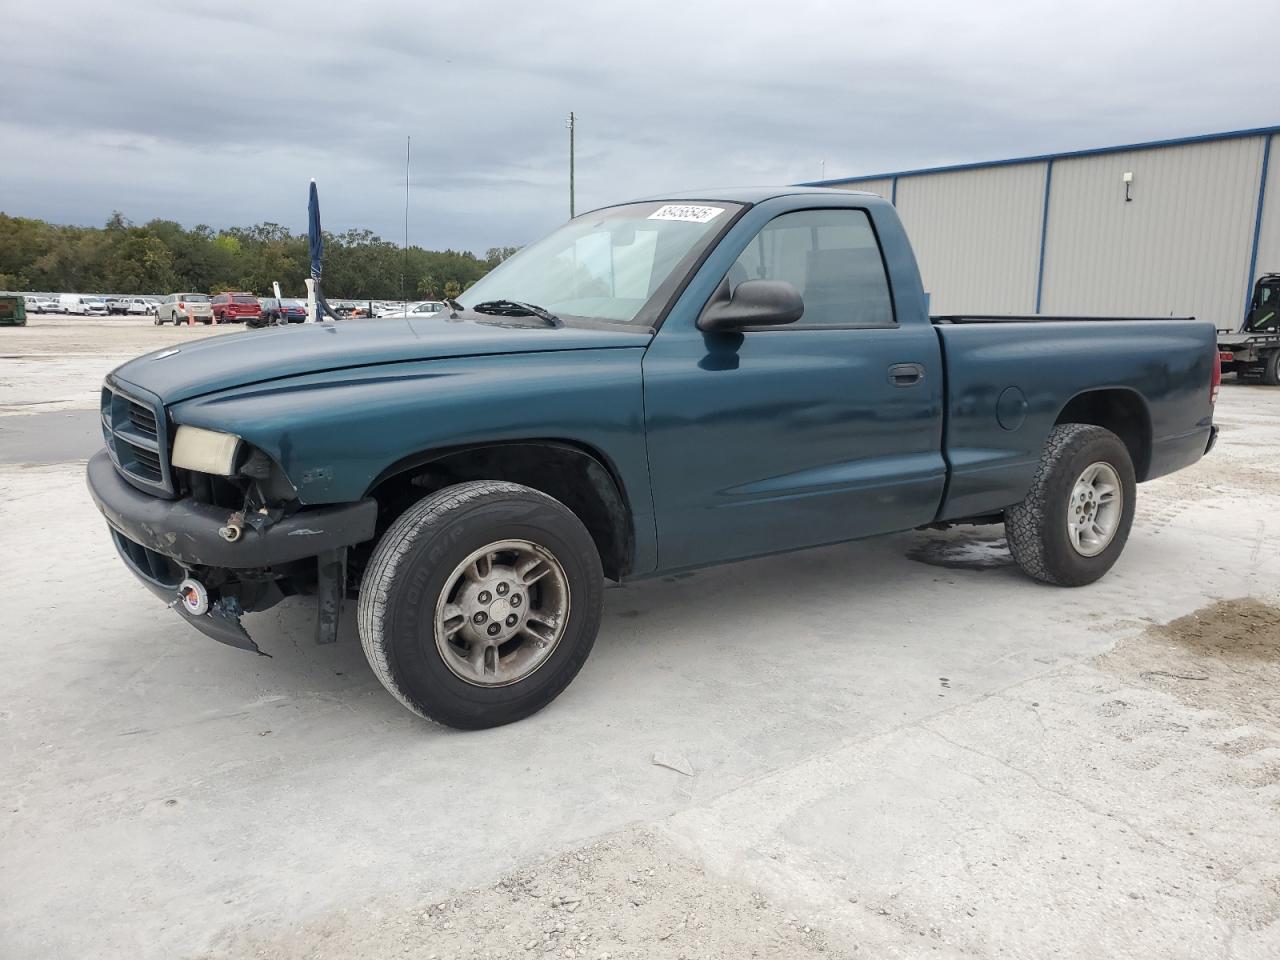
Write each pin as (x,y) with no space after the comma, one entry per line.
(235,308)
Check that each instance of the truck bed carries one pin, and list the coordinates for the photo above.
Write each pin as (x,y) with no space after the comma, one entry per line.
(1229,338)
(1007,379)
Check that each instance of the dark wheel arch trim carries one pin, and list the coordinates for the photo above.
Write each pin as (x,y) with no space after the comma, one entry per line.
(1131,422)
(601,472)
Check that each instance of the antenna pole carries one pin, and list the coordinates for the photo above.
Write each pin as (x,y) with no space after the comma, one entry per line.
(404,275)
(572,122)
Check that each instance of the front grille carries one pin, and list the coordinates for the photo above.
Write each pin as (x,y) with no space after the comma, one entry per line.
(136,435)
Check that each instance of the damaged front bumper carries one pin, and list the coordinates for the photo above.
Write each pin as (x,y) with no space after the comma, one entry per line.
(165,541)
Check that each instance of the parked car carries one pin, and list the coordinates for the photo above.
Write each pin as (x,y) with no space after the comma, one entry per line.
(655,386)
(235,307)
(180,307)
(137,307)
(95,306)
(46,305)
(350,309)
(281,311)
(118,306)
(424,308)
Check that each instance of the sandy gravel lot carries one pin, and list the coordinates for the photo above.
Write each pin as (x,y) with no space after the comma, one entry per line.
(57,363)
(896,748)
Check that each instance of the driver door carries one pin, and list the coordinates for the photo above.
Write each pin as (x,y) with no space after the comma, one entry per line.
(775,438)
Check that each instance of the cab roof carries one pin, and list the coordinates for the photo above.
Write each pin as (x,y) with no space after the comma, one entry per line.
(754,194)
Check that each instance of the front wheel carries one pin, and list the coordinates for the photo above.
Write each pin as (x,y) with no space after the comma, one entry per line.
(1072,526)
(481,603)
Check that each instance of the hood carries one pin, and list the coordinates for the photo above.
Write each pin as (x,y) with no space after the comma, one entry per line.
(237,360)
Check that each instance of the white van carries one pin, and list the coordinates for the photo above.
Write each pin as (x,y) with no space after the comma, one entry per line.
(72,303)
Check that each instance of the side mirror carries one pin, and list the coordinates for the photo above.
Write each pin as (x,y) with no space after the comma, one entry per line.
(753,303)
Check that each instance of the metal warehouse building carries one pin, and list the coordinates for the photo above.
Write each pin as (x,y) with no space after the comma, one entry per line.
(1173,227)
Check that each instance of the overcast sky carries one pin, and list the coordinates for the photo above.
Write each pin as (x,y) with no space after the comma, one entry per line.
(219,111)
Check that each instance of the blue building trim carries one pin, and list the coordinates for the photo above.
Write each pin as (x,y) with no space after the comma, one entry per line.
(1257,222)
(1044,230)
(1040,158)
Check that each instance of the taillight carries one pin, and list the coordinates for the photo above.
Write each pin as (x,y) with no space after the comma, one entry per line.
(181,305)
(1215,381)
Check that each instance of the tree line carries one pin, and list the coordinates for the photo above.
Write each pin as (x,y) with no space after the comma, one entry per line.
(162,256)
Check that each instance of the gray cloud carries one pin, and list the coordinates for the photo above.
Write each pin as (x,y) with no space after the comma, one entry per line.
(219,112)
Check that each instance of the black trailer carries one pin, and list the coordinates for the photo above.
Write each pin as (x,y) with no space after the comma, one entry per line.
(1254,350)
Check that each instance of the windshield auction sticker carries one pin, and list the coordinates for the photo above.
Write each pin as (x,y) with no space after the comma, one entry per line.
(686,212)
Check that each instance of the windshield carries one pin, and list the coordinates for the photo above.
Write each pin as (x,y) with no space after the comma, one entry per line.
(609,264)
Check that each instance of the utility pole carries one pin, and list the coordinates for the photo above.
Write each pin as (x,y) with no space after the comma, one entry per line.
(571,122)
(404,271)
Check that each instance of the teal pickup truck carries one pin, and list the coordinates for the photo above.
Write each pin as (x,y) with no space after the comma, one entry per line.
(653,387)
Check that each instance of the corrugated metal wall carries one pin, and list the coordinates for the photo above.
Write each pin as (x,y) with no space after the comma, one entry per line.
(882,186)
(1269,238)
(976,234)
(1180,247)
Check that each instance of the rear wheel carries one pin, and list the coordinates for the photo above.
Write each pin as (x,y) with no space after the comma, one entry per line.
(1271,369)
(1072,526)
(481,603)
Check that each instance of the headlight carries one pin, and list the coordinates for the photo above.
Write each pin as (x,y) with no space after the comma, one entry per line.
(207,451)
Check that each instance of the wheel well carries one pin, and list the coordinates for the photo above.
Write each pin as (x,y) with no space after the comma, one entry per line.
(577,477)
(1122,412)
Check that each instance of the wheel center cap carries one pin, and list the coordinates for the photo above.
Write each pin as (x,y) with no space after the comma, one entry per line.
(499,609)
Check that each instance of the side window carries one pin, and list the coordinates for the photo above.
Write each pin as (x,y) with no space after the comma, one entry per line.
(831,257)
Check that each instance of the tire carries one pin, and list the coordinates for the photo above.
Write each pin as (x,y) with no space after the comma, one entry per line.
(415,568)
(1037,529)
(1271,369)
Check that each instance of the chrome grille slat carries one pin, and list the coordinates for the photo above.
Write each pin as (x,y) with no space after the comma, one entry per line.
(136,435)
(144,420)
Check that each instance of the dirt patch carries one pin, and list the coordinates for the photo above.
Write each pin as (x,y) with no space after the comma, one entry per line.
(628,896)
(1224,657)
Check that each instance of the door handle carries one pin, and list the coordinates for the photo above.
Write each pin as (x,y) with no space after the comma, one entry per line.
(906,374)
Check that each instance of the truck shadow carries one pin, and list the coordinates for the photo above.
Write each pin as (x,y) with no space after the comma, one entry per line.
(838,598)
